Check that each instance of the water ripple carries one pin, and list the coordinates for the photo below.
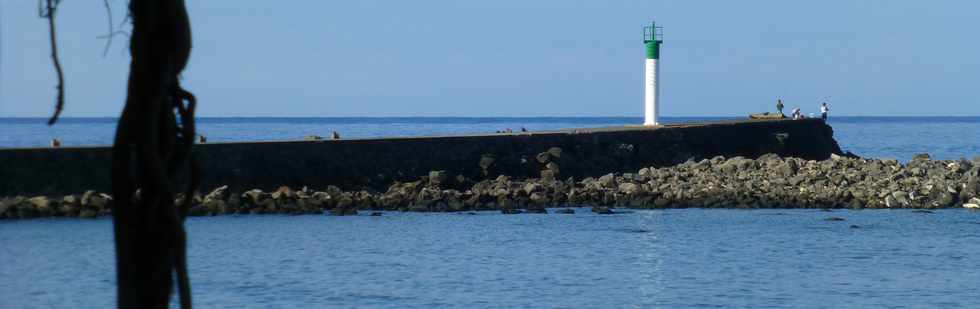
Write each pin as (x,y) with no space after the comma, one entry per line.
(663,258)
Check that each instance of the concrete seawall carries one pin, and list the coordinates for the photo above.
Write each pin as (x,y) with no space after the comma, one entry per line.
(376,163)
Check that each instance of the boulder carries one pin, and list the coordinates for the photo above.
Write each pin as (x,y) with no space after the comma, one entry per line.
(576,198)
(629,188)
(770,158)
(532,187)
(42,206)
(901,197)
(251,195)
(955,167)
(221,193)
(717,160)
(5,206)
(334,191)
(921,157)
(547,175)
(539,198)
(543,157)
(283,193)
(973,203)
(255,201)
(345,205)
(555,152)
(21,208)
(365,200)
(195,199)
(607,181)
(69,206)
(437,177)
(216,201)
(789,168)
(456,201)
(94,200)
(323,197)
(552,166)
(645,172)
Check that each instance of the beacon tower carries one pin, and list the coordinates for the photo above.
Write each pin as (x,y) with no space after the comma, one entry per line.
(652,38)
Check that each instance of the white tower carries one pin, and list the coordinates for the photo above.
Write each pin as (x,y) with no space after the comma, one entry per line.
(652,38)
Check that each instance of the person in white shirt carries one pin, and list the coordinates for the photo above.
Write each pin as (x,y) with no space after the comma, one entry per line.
(823,110)
(797,115)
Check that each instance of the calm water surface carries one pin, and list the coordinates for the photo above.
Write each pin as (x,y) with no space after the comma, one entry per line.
(667,258)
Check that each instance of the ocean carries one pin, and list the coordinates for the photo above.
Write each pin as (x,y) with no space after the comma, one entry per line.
(676,258)
(680,258)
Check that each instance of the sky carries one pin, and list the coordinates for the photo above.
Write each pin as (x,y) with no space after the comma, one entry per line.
(516,58)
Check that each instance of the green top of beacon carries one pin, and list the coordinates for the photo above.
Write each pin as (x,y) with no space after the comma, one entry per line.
(653,36)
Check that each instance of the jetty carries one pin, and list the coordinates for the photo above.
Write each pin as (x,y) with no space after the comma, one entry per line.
(376,163)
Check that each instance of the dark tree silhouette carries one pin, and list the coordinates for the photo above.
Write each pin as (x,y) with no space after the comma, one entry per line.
(48,12)
(153,143)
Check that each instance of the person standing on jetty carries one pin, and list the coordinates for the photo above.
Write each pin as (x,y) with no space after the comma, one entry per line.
(779,106)
(823,110)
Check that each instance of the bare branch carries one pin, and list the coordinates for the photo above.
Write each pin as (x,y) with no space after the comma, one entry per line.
(126,18)
(108,12)
(117,32)
(60,103)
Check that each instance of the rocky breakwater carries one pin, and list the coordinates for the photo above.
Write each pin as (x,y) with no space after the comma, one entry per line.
(767,182)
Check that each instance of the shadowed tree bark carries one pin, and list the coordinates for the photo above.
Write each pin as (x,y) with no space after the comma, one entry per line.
(153,142)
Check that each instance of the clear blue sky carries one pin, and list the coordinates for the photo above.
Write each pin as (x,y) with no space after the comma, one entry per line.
(519,58)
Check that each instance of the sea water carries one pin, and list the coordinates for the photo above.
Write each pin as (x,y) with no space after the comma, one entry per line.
(650,258)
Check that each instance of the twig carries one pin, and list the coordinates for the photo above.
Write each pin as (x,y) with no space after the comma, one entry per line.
(57,65)
(108,11)
(115,33)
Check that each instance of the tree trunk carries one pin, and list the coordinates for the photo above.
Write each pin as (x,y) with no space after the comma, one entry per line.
(150,147)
